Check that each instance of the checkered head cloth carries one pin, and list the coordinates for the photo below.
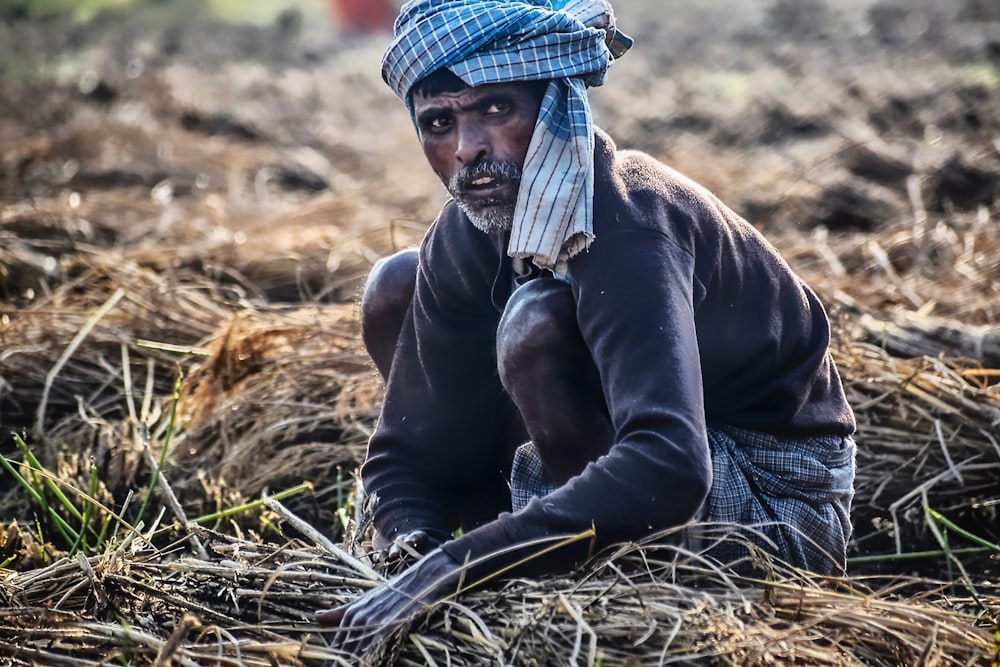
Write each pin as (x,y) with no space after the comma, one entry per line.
(568,42)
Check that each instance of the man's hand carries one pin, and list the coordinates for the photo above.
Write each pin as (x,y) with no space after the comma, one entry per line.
(376,612)
(406,548)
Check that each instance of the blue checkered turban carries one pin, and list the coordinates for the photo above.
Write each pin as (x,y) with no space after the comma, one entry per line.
(490,41)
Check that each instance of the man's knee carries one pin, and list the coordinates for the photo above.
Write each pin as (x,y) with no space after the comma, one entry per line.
(538,322)
(384,302)
(389,287)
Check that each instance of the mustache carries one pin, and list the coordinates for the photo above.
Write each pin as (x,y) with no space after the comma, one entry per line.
(499,169)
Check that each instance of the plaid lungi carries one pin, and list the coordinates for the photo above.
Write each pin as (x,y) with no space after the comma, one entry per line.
(793,495)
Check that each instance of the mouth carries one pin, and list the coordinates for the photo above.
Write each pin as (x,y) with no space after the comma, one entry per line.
(487,185)
(495,194)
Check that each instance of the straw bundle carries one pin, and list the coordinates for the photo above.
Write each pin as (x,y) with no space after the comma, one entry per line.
(89,370)
(65,352)
(907,334)
(252,604)
(947,268)
(926,435)
(290,387)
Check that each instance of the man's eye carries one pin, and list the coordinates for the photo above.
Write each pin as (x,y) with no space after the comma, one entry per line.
(496,107)
(439,123)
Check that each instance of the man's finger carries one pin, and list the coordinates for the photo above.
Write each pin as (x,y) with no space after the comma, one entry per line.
(359,638)
(411,546)
(354,637)
(331,616)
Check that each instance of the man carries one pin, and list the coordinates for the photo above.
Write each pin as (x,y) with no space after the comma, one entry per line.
(585,340)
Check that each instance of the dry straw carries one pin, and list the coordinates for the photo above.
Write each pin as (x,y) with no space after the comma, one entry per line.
(648,604)
(88,372)
(291,386)
(75,335)
(926,433)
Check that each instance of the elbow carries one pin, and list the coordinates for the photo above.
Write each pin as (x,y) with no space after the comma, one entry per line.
(683,497)
(700,484)
(692,494)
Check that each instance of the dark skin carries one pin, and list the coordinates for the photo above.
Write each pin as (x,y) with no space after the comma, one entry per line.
(472,126)
(492,122)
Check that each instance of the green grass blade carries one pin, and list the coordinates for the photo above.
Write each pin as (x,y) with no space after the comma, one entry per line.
(915,555)
(89,509)
(35,496)
(167,437)
(68,534)
(254,505)
(958,530)
(33,461)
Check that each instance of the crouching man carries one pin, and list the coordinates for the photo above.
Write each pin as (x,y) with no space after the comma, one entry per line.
(585,339)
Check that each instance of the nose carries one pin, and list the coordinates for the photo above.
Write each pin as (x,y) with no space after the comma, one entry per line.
(473,143)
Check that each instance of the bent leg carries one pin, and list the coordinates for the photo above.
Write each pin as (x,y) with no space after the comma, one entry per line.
(384,302)
(547,369)
(793,496)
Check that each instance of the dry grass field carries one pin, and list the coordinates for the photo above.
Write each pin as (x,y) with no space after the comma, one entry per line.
(188,207)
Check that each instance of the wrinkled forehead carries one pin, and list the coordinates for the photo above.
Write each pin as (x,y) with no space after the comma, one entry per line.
(447,90)
(437,82)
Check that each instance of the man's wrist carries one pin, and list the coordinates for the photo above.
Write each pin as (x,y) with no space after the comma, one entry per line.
(432,578)
(388,531)
(405,548)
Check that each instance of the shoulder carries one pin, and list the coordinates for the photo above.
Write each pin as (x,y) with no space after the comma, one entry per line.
(633,186)
(634,172)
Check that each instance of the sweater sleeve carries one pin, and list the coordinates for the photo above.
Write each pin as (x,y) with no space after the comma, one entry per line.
(637,318)
(444,404)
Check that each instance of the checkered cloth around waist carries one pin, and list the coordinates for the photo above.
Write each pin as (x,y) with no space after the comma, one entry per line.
(795,493)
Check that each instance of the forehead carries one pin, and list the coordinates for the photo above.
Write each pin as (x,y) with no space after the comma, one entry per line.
(470,95)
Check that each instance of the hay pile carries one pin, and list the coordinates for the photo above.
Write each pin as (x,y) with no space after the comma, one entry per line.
(252,604)
(290,385)
(89,373)
(177,275)
(926,428)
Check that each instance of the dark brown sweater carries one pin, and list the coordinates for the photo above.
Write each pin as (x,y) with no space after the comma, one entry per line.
(692,318)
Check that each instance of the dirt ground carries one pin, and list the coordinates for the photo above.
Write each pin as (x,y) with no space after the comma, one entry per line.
(756,103)
(272,164)
(148,131)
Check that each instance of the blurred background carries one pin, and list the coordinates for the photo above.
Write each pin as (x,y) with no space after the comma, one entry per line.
(255,12)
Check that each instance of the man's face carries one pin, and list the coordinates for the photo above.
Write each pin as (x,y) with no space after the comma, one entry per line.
(476,139)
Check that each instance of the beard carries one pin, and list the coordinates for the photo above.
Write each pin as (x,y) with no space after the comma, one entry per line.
(492,214)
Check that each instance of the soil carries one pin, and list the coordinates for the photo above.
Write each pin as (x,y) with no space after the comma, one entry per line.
(799,115)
